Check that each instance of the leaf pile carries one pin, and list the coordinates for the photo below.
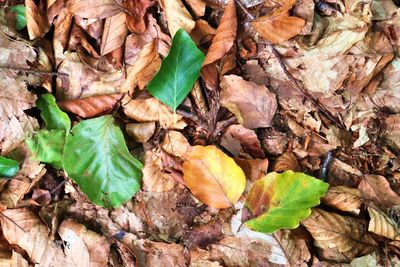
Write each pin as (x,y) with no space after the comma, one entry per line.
(199,133)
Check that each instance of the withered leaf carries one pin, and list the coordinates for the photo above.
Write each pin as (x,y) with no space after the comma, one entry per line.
(177,16)
(96,9)
(344,198)
(383,225)
(254,169)
(377,188)
(135,15)
(141,132)
(254,105)
(285,162)
(36,21)
(114,33)
(175,143)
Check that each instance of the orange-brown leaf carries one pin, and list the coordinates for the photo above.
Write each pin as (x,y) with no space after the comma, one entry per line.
(141,132)
(114,33)
(225,35)
(254,169)
(36,21)
(377,188)
(344,198)
(96,9)
(135,17)
(90,106)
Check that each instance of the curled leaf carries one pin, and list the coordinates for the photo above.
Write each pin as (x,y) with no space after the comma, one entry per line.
(53,116)
(281,201)
(36,21)
(175,143)
(141,132)
(344,198)
(383,225)
(114,33)
(213,177)
(285,162)
(177,16)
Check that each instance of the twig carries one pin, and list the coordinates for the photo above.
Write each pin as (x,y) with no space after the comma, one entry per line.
(32,71)
(245,10)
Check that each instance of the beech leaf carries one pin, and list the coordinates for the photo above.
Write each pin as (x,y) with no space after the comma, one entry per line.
(52,115)
(213,177)
(97,159)
(281,201)
(8,167)
(20,16)
(178,72)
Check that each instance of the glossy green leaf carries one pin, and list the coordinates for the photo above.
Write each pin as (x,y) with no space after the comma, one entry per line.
(97,159)
(53,116)
(8,167)
(178,72)
(47,146)
(281,201)
(20,16)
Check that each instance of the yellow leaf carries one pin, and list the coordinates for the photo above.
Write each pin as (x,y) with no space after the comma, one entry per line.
(213,177)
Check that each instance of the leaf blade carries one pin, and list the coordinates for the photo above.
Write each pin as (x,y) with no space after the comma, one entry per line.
(20,15)
(54,117)
(8,167)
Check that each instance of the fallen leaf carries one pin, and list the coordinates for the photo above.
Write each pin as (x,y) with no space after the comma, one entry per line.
(12,259)
(203,235)
(114,33)
(141,132)
(177,16)
(344,198)
(155,178)
(151,109)
(41,197)
(20,16)
(254,169)
(279,26)
(213,177)
(51,114)
(90,106)
(198,7)
(175,143)
(200,31)
(345,236)
(392,134)
(286,162)
(254,105)
(383,225)
(36,21)
(178,72)
(225,35)
(8,167)
(377,189)
(247,139)
(62,25)
(271,198)
(96,9)
(135,15)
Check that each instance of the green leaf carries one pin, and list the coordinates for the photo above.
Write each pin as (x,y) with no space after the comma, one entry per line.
(47,146)
(53,116)
(97,159)
(8,167)
(20,15)
(178,72)
(282,200)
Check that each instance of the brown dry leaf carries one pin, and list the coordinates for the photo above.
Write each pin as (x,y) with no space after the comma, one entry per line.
(254,105)
(381,224)
(135,15)
(114,33)
(90,106)
(203,235)
(79,41)
(151,109)
(279,26)
(83,81)
(155,179)
(254,169)
(11,258)
(344,198)
(198,7)
(342,235)
(36,21)
(295,248)
(177,16)
(392,135)
(236,138)
(141,132)
(76,235)
(201,32)
(62,25)
(175,143)
(141,71)
(96,9)
(285,162)
(225,35)
(377,189)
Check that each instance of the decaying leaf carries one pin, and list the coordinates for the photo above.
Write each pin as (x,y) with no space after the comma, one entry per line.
(254,169)
(114,33)
(254,105)
(155,178)
(141,132)
(285,162)
(344,198)
(175,143)
(213,177)
(136,13)
(281,201)
(198,7)
(90,106)
(225,35)
(150,253)
(383,225)
(96,9)
(279,26)
(393,130)
(177,16)
(377,188)
(36,21)
(344,236)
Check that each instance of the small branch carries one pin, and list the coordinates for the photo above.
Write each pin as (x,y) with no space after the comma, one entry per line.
(32,71)
(245,10)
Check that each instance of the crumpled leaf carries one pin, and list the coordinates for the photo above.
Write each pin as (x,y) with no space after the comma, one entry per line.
(286,162)
(377,188)
(198,7)
(90,106)
(344,236)
(177,16)
(36,21)
(136,12)
(392,135)
(150,253)
(96,9)
(254,169)
(281,201)
(213,177)
(97,159)
(225,35)
(175,143)
(254,105)
(114,33)
(20,15)
(344,198)
(279,26)
(52,115)
(8,167)
(383,225)
(178,72)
